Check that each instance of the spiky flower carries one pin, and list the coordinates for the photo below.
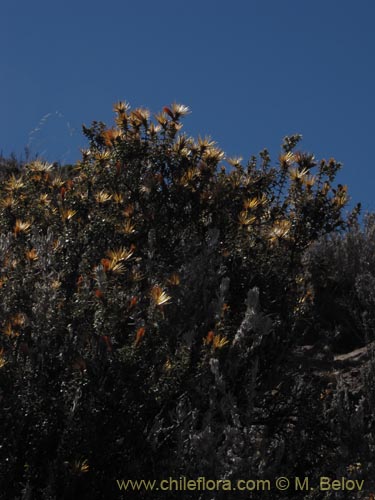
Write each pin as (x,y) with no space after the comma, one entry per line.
(102,197)
(235,161)
(121,107)
(14,183)
(68,213)
(81,466)
(3,361)
(127,228)
(159,296)
(31,255)
(219,342)
(39,166)
(245,219)
(297,174)
(286,159)
(189,176)
(8,202)
(280,230)
(118,198)
(21,227)
(121,254)
(179,110)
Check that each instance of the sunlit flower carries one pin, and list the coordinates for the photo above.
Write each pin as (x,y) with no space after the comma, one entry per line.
(159,296)
(55,284)
(14,183)
(102,156)
(245,219)
(127,228)
(81,466)
(9,331)
(57,182)
(251,203)
(205,143)
(21,227)
(279,230)
(102,197)
(189,176)
(235,161)
(286,159)
(40,166)
(68,213)
(8,202)
(110,136)
(121,107)
(3,361)
(136,276)
(219,342)
(31,255)
(121,254)
(309,181)
(179,110)
(213,154)
(118,198)
(297,174)
(168,365)
(162,119)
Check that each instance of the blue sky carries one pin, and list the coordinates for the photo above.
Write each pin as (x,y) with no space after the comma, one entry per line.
(252,71)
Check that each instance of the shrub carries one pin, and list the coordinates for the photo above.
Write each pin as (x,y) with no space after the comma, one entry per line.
(144,297)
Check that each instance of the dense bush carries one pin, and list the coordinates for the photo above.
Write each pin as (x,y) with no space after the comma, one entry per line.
(146,298)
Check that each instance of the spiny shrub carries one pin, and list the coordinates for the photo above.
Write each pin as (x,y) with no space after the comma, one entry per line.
(143,297)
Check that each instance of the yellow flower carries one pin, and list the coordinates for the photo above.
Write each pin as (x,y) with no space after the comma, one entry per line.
(118,198)
(57,182)
(162,119)
(159,296)
(21,227)
(286,159)
(213,154)
(121,107)
(127,227)
(189,176)
(14,183)
(297,174)
(40,166)
(235,162)
(81,466)
(205,143)
(309,181)
(245,219)
(251,203)
(8,202)
(3,362)
(68,214)
(44,200)
(279,230)
(102,197)
(219,342)
(9,331)
(179,110)
(31,255)
(121,254)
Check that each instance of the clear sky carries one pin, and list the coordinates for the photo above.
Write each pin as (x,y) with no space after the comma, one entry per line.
(252,71)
